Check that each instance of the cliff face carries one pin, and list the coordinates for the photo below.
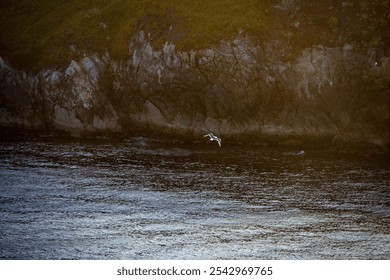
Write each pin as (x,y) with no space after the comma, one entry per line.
(237,86)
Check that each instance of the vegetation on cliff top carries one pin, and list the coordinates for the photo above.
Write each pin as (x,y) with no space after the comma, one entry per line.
(44,33)
(36,33)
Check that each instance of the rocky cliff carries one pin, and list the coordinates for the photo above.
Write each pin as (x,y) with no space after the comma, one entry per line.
(276,86)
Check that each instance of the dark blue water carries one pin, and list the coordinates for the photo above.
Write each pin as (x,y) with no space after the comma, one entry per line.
(142,199)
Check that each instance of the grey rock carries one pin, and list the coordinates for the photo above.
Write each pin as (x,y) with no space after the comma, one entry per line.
(236,87)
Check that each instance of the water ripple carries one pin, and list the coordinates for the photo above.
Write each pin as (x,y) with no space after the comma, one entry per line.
(142,199)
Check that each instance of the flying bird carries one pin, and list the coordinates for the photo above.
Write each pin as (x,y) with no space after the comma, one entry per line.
(214,138)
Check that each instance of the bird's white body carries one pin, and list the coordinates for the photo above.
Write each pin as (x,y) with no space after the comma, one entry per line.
(214,138)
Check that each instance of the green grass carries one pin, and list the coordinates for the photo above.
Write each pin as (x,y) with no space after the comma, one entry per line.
(39,33)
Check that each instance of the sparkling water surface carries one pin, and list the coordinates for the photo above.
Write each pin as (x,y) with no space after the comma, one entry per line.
(143,199)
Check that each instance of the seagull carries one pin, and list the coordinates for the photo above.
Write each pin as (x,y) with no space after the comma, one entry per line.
(214,138)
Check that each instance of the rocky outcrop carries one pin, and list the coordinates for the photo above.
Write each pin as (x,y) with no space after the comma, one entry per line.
(236,87)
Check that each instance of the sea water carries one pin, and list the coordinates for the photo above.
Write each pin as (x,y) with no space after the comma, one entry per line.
(142,199)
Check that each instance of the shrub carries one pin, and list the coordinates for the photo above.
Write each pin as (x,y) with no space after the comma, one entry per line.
(36,33)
